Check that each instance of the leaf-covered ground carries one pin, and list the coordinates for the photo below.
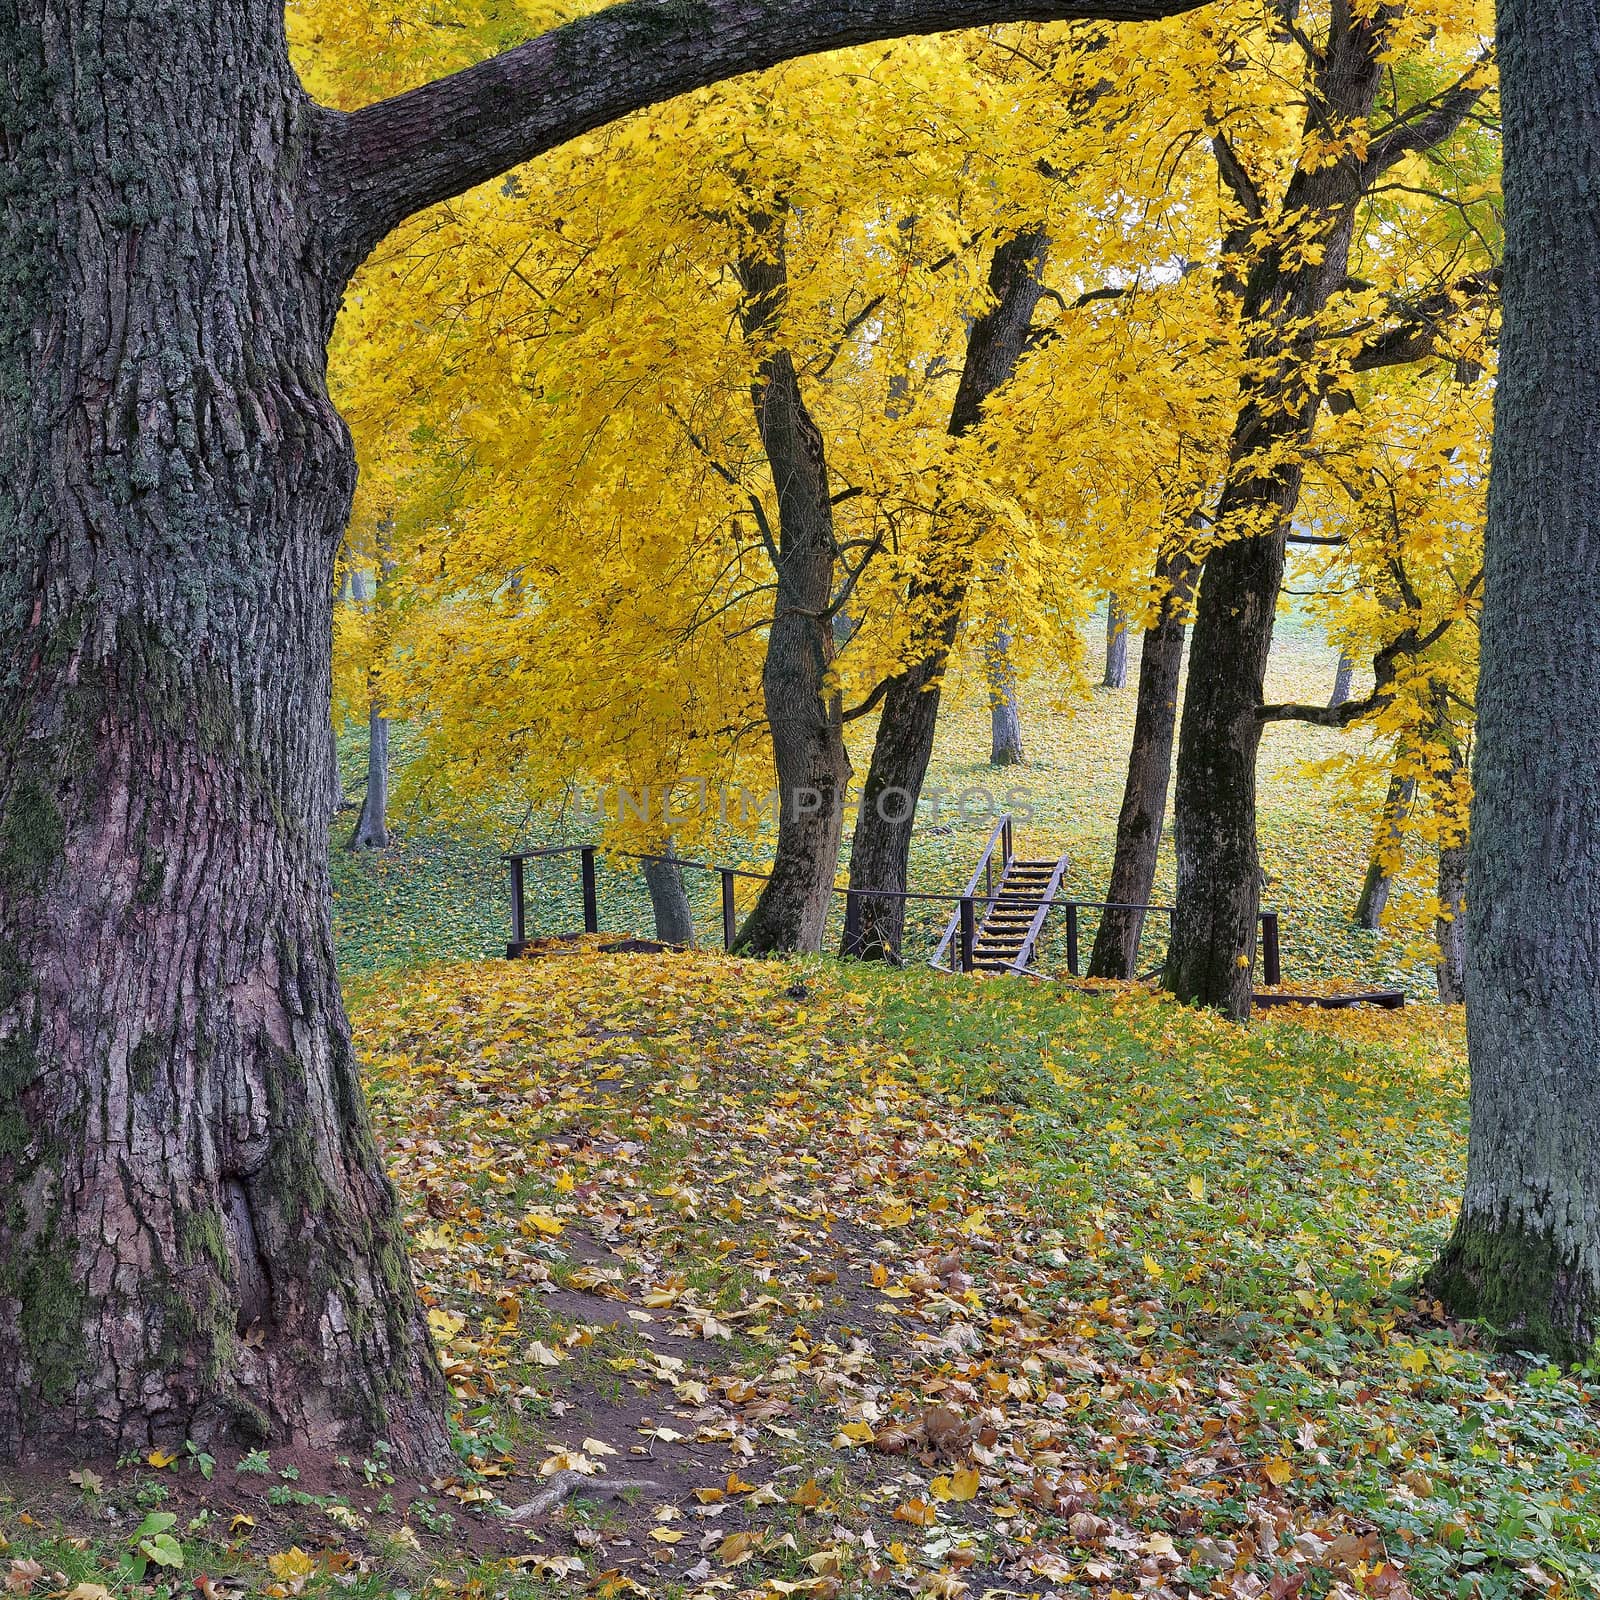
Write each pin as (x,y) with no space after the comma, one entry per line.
(888,1283)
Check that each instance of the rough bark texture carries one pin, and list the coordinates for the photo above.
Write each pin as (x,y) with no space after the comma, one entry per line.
(197,1237)
(1116,673)
(372,826)
(881,845)
(669,900)
(1144,796)
(1343,677)
(1005,720)
(804,714)
(1378,884)
(1219,875)
(1525,1256)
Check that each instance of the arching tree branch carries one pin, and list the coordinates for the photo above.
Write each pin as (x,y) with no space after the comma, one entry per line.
(379,165)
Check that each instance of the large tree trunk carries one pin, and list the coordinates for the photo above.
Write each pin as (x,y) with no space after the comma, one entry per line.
(1144,796)
(1525,1256)
(803,711)
(880,848)
(198,1238)
(1387,845)
(1219,877)
(1116,673)
(669,900)
(372,826)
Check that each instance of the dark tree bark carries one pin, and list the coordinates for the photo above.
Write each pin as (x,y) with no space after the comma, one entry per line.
(184,1147)
(1378,884)
(1005,719)
(1144,796)
(804,713)
(1116,673)
(881,845)
(669,900)
(1212,953)
(372,826)
(1343,677)
(1525,1256)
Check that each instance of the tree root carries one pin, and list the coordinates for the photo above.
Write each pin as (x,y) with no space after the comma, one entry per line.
(564,1484)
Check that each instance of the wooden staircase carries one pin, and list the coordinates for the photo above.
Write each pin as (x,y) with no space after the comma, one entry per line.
(1003,918)
(1009,933)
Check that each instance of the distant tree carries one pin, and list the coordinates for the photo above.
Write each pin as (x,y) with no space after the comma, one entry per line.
(1116,673)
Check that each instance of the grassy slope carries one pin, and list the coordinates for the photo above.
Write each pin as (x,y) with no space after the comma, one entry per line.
(908,1283)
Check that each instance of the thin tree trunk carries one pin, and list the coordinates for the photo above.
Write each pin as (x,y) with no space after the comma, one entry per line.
(337,800)
(1116,673)
(198,1238)
(669,900)
(1005,722)
(1387,845)
(1343,677)
(803,711)
(372,826)
(1525,1255)
(1144,796)
(1451,968)
(881,845)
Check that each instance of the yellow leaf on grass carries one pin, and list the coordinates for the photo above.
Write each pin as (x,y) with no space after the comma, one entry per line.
(1153,1267)
(737,1548)
(89,1591)
(541,1223)
(1279,1471)
(290,1564)
(1197,1187)
(964,1484)
(857,1433)
(917,1512)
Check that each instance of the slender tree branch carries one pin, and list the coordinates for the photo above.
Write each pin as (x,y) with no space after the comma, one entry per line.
(1385,672)
(870,704)
(1425,125)
(371,169)
(1239,182)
